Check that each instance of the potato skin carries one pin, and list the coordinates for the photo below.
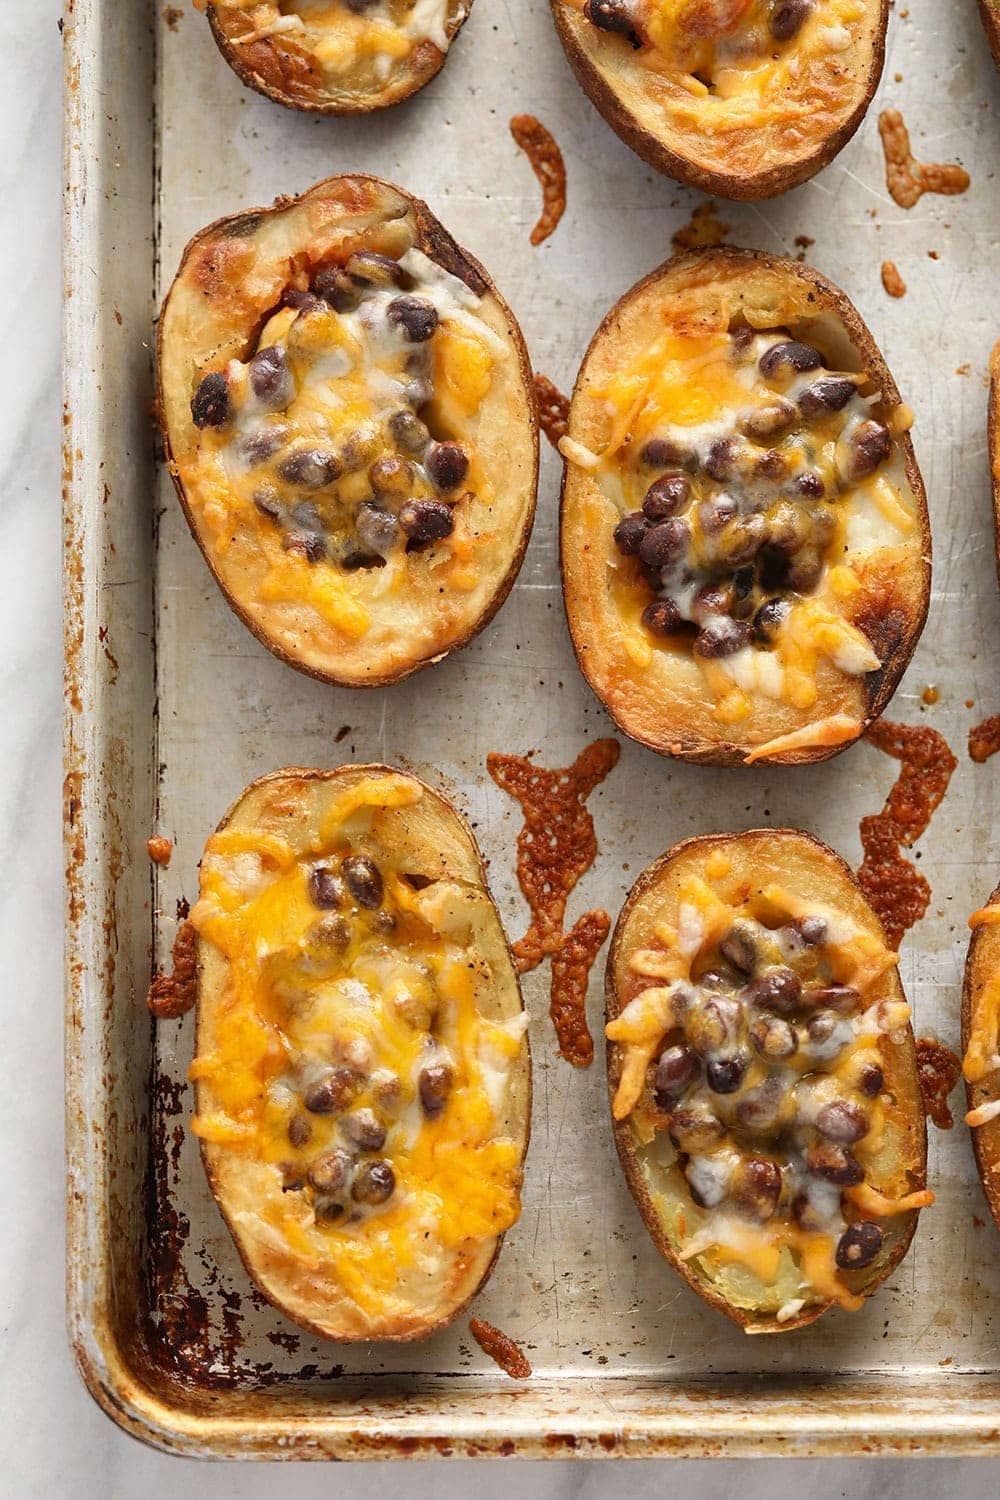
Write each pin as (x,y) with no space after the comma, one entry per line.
(670,735)
(583,46)
(991,24)
(455,835)
(773,849)
(259,67)
(982,960)
(435,241)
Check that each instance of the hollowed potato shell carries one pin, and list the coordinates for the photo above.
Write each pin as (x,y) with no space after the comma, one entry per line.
(284,74)
(755,162)
(430,838)
(808,867)
(662,705)
(982,962)
(232,276)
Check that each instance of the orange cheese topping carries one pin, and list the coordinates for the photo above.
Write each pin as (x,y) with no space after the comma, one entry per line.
(382,992)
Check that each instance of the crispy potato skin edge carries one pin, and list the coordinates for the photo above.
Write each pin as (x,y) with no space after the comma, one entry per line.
(621,1129)
(880,689)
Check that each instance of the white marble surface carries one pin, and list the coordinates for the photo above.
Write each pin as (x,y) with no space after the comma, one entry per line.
(53,1440)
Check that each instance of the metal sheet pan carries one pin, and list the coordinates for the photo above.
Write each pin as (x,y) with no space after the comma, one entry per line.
(172,707)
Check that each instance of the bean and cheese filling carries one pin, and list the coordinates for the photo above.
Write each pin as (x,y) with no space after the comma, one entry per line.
(359,40)
(752,481)
(751,62)
(351,1059)
(341,441)
(751,1043)
(981,1063)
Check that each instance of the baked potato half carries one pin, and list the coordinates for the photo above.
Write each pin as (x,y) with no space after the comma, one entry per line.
(763,1077)
(741,98)
(744,533)
(349,421)
(336,57)
(981,1045)
(362,1075)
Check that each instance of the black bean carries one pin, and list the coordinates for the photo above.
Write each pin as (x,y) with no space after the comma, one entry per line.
(312,468)
(839,997)
(629,532)
(804,570)
(710,600)
(447,464)
(717,979)
(326,889)
(787,527)
(787,18)
(868,446)
(667,453)
(610,15)
(416,318)
(377,528)
(821,1026)
(871,1080)
(723,458)
(364,880)
(834,1164)
(766,421)
(663,617)
(333,1092)
(843,1121)
(392,475)
(267,502)
(353,559)
(665,543)
(742,603)
(372,269)
(756,1186)
(434,1086)
(716,513)
(375,1182)
(674,1071)
(774,1038)
(694,1130)
(270,378)
(832,393)
(359,6)
(813,930)
(725,1074)
(741,337)
(810,485)
(772,465)
(768,620)
(211,406)
(789,354)
(329,1172)
(741,541)
(721,636)
(858,1246)
(308,544)
(780,991)
(714,1025)
(262,443)
(303,302)
(739,947)
(666,496)
(805,1213)
(299,1130)
(333,284)
(759,1109)
(408,432)
(426,520)
(824,524)
(364,1129)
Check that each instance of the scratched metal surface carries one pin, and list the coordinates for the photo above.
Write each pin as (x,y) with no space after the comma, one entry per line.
(578,1282)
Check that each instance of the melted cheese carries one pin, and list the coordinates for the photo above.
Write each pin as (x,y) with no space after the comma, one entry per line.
(342,40)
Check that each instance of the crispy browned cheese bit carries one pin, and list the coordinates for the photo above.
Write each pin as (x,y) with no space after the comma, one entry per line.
(554,848)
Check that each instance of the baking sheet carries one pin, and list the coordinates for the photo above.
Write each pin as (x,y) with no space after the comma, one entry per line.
(173,707)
